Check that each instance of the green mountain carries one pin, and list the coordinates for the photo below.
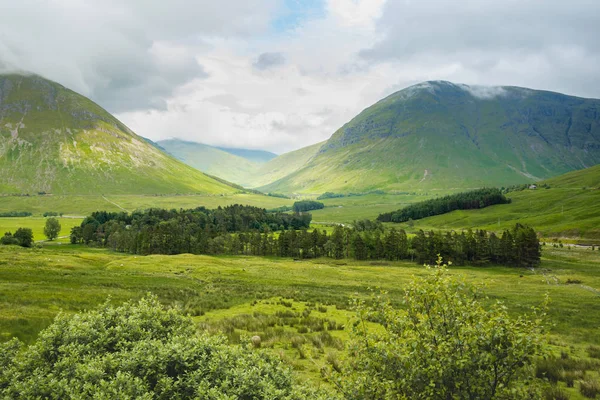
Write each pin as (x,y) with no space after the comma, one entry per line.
(257,156)
(56,141)
(444,135)
(213,160)
(283,165)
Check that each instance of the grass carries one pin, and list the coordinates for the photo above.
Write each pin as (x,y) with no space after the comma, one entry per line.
(37,226)
(80,205)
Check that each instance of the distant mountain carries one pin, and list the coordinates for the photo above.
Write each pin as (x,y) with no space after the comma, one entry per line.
(257,156)
(283,165)
(214,160)
(444,135)
(56,141)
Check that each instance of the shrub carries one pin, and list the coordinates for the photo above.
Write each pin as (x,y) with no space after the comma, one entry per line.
(140,350)
(444,344)
(594,351)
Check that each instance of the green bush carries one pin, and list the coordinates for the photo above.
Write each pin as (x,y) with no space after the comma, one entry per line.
(589,388)
(140,350)
(443,344)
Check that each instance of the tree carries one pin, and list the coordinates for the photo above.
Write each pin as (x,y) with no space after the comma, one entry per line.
(24,236)
(444,344)
(142,351)
(52,228)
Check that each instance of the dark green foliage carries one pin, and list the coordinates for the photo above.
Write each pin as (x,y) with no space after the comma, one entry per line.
(198,231)
(444,344)
(519,247)
(555,393)
(474,199)
(22,237)
(330,195)
(278,195)
(594,351)
(50,214)
(15,214)
(140,350)
(307,205)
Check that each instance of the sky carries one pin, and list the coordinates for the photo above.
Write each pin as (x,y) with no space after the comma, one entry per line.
(279,75)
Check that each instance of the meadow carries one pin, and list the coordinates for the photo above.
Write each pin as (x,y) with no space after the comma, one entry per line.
(299,308)
(36,224)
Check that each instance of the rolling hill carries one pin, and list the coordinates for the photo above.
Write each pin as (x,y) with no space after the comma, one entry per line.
(565,206)
(440,135)
(56,141)
(257,156)
(213,160)
(283,165)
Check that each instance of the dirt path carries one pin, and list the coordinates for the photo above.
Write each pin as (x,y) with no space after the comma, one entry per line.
(114,204)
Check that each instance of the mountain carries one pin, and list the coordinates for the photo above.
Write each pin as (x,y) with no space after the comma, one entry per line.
(56,141)
(214,160)
(283,165)
(444,135)
(257,156)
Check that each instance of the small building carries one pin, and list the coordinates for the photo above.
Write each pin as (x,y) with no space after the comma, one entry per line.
(532,187)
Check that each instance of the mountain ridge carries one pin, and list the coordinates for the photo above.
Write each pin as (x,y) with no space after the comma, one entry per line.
(438,134)
(55,140)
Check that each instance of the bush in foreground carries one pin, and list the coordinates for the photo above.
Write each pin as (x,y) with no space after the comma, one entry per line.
(140,350)
(444,344)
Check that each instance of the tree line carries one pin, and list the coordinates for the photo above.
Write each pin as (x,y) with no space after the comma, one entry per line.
(199,230)
(239,230)
(473,199)
(307,205)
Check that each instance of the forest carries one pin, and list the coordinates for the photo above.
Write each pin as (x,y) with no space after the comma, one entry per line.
(244,230)
(470,200)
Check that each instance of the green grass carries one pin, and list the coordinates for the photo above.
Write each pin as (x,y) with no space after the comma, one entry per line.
(37,226)
(439,136)
(299,308)
(84,205)
(66,144)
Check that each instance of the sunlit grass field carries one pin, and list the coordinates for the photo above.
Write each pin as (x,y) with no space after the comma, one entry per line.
(299,308)
(36,224)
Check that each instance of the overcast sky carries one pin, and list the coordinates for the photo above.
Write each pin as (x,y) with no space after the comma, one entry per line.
(282,74)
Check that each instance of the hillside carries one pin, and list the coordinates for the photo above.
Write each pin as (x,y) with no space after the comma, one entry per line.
(257,156)
(569,208)
(440,135)
(212,160)
(56,141)
(283,165)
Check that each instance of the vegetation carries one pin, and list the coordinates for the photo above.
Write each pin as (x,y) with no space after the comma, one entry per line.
(444,344)
(449,138)
(198,231)
(140,350)
(15,214)
(59,142)
(471,200)
(23,237)
(52,228)
(307,205)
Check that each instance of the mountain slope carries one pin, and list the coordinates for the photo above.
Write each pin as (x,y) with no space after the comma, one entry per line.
(443,135)
(283,165)
(212,160)
(569,208)
(56,141)
(256,156)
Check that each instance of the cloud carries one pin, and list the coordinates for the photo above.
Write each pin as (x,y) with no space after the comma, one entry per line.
(283,74)
(269,60)
(125,55)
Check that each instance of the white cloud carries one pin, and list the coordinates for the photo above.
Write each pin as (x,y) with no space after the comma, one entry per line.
(218,73)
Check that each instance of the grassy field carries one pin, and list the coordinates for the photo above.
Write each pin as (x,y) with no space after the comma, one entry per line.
(84,205)
(296,306)
(36,224)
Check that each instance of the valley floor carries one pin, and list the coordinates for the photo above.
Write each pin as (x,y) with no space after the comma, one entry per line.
(249,295)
